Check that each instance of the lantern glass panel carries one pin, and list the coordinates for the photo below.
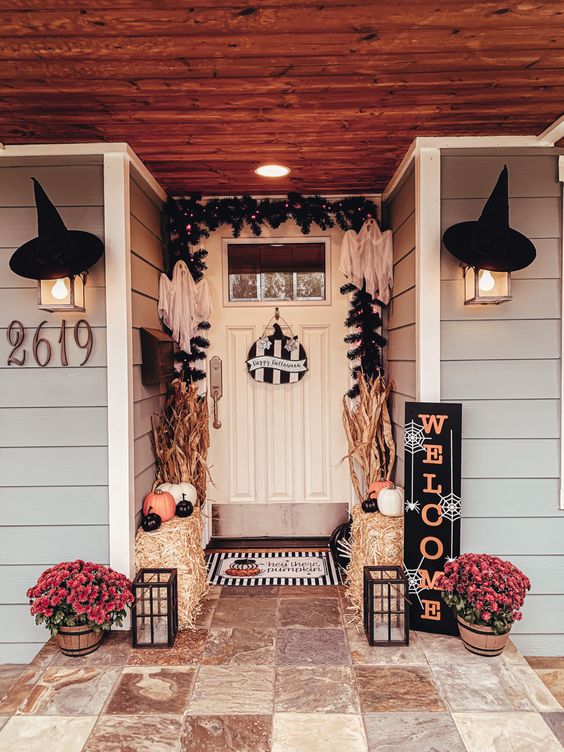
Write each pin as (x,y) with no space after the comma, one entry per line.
(79,282)
(155,608)
(389,616)
(469,285)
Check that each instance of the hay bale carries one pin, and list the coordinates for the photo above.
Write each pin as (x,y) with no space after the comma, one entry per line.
(376,540)
(177,544)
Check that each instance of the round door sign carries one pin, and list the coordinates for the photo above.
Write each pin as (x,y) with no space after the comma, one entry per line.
(277,359)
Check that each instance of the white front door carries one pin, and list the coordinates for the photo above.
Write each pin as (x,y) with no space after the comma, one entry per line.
(275,461)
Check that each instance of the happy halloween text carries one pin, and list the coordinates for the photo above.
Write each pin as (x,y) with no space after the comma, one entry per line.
(278,364)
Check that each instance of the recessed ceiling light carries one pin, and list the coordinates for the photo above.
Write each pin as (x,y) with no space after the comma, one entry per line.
(272,171)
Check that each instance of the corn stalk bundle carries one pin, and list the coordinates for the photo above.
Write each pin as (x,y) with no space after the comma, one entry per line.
(181,439)
(369,433)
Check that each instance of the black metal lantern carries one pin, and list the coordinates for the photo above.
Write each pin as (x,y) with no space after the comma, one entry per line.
(154,614)
(386,607)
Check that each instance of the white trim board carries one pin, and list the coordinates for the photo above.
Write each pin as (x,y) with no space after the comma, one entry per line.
(561,180)
(554,132)
(428,274)
(119,361)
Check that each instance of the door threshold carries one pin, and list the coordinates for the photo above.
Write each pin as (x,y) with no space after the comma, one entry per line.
(268,544)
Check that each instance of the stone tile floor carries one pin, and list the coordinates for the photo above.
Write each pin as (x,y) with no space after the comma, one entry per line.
(279,669)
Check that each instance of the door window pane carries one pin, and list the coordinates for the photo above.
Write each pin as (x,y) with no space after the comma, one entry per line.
(243,287)
(277,285)
(276,271)
(310,285)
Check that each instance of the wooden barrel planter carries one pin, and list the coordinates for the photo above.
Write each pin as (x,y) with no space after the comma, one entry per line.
(77,641)
(481,640)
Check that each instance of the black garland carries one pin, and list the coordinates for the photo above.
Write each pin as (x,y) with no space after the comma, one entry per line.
(367,341)
(189,221)
(198,344)
(176,249)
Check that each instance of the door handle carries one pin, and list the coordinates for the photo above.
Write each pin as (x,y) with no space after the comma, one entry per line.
(216,387)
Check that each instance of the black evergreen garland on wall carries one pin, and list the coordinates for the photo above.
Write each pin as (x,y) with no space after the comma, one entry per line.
(366,340)
(176,249)
(189,221)
(198,344)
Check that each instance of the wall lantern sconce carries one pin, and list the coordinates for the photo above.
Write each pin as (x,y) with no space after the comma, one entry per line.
(63,294)
(482,286)
(490,249)
(57,258)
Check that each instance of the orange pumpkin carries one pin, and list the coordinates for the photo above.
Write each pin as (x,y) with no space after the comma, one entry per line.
(376,486)
(161,503)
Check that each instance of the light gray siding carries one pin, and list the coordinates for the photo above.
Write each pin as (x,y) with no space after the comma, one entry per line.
(146,267)
(400,315)
(53,420)
(503,363)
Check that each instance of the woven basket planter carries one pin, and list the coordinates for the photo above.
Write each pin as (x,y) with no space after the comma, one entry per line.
(481,640)
(77,641)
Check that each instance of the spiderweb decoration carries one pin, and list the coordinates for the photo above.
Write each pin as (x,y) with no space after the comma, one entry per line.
(414,438)
(451,507)
(414,577)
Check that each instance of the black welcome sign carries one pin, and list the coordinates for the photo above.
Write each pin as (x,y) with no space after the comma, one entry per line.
(432,508)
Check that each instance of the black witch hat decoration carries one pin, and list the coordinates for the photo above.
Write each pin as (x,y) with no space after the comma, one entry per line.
(490,243)
(56,252)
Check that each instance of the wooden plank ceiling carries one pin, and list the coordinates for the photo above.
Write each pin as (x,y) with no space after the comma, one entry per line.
(205,90)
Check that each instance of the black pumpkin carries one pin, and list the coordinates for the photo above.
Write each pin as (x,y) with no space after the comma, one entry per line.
(151,521)
(184,508)
(370,505)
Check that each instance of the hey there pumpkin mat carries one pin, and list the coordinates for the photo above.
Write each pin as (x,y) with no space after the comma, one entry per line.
(248,568)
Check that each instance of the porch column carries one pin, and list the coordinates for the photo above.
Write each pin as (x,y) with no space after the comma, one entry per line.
(119,362)
(428,273)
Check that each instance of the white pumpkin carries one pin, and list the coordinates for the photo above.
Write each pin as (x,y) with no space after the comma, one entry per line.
(178,489)
(390,501)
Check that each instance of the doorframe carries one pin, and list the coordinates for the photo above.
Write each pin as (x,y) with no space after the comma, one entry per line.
(291,235)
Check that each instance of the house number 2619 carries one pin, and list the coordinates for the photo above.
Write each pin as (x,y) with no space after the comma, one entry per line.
(41,347)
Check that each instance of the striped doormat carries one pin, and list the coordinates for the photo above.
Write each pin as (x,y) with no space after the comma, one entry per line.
(248,568)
